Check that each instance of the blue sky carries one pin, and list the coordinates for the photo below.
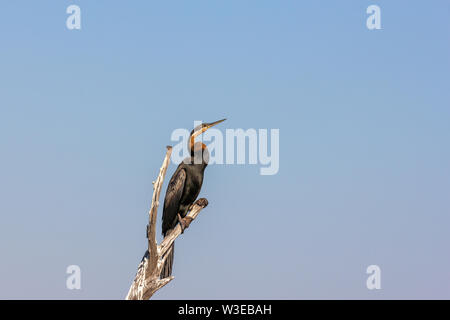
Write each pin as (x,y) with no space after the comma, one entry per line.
(364,160)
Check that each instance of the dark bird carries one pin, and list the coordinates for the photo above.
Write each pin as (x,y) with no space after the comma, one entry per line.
(183,189)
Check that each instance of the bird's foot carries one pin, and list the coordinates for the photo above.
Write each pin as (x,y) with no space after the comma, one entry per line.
(184,222)
(202,202)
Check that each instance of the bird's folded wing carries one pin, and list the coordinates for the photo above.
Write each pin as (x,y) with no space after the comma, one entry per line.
(172,199)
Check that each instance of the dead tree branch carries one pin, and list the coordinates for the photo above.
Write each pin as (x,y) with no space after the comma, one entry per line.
(147,280)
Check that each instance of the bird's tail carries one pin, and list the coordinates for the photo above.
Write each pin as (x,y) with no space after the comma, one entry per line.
(167,267)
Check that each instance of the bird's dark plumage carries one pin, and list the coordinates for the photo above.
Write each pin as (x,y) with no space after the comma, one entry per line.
(172,199)
(184,187)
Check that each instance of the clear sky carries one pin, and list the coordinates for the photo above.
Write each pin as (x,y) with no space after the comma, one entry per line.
(364,120)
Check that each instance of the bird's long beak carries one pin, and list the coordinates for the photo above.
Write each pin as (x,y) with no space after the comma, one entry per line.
(212,124)
(205,127)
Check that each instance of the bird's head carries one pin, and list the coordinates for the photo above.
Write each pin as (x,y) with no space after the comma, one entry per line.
(199,149)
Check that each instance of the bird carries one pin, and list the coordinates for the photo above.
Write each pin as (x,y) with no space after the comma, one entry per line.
(183,189)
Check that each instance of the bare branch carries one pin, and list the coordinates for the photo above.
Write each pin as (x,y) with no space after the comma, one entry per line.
(151,229)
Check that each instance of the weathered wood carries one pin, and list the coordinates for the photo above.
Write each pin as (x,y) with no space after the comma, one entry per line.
(147,280)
